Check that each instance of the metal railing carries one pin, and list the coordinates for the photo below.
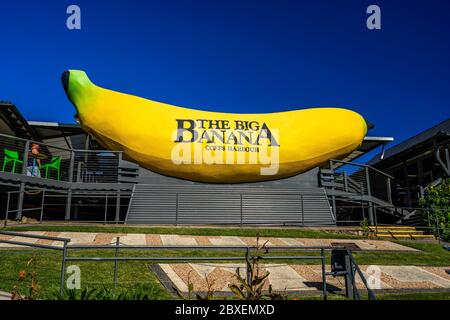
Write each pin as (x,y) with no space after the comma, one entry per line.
(366,180)
(63,249)
(424,219)
(56,163)
(247,253)
(8,211)
(107,200)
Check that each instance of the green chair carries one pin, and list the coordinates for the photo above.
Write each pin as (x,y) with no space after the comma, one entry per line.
(11,156)
(54,164)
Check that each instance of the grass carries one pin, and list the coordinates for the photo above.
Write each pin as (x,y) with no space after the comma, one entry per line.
(193,231)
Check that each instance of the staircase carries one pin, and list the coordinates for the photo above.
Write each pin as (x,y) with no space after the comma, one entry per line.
(228,204)
(400,232)
(414,218)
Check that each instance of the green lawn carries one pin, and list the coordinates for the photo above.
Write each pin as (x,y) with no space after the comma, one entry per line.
(194,231)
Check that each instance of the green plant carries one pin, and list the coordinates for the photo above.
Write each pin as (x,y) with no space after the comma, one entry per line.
(436,204)
(251,287)
(365,227)
(33,288)
(74,294)
(140,292)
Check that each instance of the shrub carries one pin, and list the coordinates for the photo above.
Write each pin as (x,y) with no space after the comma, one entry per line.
(251,287)
(436,202)
(365,227)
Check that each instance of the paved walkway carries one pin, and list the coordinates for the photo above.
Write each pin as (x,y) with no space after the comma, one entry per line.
(288,278)
(88,238)
(5,295)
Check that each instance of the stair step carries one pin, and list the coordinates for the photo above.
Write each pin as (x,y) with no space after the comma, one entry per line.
(400,228)
(421,236)
(395,230)
(401,233)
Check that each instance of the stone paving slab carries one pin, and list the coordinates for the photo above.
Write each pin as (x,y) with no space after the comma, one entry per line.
(20,239)
(89,238)
(293,278)
(5,295)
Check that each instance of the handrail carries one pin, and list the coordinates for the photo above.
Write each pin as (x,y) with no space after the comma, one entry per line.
(65,241)
(363,278)
(373,182)
(56,147)
(32,141)
(206,247)
(365,166)
(102,165)
(33,236)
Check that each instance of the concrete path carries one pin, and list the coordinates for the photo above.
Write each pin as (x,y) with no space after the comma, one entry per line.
(5,295)
(88,238)
(289,278)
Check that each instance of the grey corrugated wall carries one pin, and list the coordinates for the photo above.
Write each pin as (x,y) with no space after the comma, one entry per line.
(228,204)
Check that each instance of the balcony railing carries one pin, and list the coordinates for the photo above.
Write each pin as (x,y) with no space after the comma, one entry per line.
(56,163)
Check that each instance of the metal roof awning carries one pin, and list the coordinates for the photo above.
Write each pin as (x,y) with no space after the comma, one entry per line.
(52,130)
(441,130)
(13,123)
(62,135)
(368,144)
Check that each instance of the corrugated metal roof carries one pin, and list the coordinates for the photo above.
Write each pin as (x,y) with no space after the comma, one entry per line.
(441,128)
(13,123)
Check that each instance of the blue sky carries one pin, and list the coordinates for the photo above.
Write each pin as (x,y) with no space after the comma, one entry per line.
(236,56)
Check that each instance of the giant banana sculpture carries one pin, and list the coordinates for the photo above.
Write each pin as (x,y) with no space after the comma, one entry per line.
(211,146)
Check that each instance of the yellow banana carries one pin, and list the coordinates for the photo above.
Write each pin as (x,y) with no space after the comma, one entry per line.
(212,146)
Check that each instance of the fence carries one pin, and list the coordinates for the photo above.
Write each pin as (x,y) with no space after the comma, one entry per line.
(349,271)
(56,163)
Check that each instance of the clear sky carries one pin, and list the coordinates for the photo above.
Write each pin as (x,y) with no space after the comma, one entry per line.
(236,56)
